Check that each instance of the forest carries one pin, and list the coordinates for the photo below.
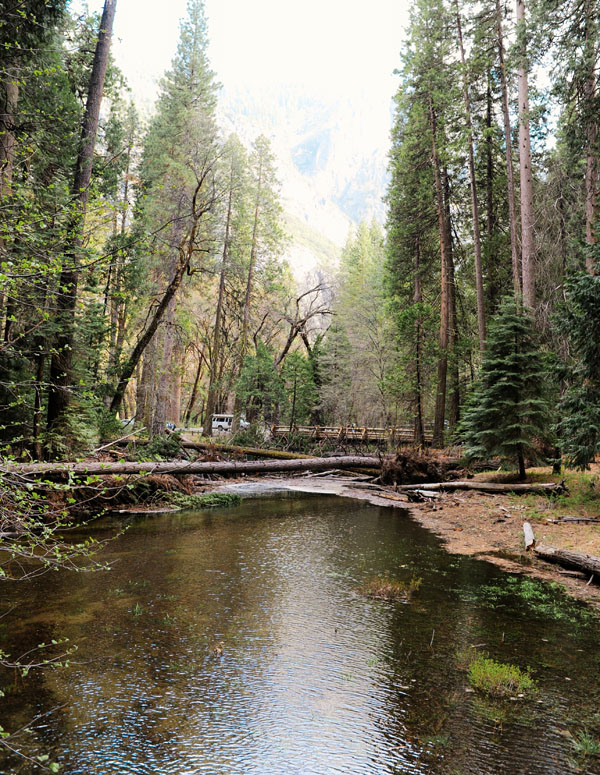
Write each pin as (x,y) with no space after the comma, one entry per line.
(142,261)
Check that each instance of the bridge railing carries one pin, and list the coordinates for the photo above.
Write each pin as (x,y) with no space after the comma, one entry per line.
(397,434)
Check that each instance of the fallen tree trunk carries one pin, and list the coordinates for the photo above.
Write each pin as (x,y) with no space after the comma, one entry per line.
(542,488)
(586,563)
(184,467)
(208,446)
(278,454)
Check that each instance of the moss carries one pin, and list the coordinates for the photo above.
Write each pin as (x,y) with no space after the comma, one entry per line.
(498,679)
(207,501)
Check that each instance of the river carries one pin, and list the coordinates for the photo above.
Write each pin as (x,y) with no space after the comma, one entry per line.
(237,641)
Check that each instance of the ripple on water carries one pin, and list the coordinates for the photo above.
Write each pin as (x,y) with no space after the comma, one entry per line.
(236,642)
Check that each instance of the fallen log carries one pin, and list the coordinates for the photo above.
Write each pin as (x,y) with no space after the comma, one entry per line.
(542,488)
(586,563)
(185,467)
(202,446)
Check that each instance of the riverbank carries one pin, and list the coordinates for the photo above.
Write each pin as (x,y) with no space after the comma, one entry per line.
(485,526)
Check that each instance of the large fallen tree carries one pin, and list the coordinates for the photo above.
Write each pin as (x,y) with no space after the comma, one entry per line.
(232,449)
(184,467)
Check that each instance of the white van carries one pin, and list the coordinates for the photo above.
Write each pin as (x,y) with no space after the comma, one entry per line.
(221,423)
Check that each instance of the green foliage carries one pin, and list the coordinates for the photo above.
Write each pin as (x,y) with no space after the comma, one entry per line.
(508,408)
(300,390)
(163,447)
(253,436)
(260,388)
(208,501)
(585,745)
(498,679)
(579,407)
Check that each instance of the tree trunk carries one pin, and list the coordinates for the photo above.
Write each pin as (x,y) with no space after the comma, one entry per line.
(216,344)
(521,461)
(591,153)
(454,397)
(62,358)
(161,405)
(246,320)
(8,109)
(418,397)
(442,370)
(473,186)
(184,467)
(194,394)
(510,179)
(185,250)
(525,171)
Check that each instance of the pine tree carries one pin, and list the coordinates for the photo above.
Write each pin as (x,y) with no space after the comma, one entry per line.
(579,427)
(508,409)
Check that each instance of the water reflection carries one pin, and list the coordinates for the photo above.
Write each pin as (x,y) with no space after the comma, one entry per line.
(235,642)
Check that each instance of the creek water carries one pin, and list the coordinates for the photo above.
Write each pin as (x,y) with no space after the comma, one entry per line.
(236,641)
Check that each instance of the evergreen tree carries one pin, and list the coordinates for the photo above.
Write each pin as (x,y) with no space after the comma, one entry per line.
(579,427)
(508,409)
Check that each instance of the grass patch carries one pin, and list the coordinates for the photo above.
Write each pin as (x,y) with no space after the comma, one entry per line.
(585,744)
(208,501)
(497,679)
(384,588)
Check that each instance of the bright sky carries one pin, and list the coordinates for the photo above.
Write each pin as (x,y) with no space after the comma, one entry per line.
(345,46)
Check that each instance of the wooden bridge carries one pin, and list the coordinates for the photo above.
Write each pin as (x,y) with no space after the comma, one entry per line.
(400,434)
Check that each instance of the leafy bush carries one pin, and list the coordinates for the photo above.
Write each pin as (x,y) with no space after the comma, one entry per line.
(497,679)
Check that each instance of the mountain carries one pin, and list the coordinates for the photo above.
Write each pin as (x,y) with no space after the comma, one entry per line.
(331,154)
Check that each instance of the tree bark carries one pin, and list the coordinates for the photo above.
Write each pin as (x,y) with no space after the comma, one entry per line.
(418,397)
(473,187)
(184,467)
(591,154)
(510,178)
(442,370)
(159,419)
(194,394)
(216,343)
(525,171)
(62,358)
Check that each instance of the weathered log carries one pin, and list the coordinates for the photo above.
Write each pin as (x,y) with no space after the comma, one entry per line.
(184,467)
(542,488)
(586,563)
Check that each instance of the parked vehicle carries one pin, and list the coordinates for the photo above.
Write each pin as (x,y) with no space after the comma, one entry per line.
(222,423)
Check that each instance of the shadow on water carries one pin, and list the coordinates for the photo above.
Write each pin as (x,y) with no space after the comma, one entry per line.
(236,641)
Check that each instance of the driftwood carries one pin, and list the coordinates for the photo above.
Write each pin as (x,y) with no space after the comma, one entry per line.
(184,467)
(586,563)
(547,488)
